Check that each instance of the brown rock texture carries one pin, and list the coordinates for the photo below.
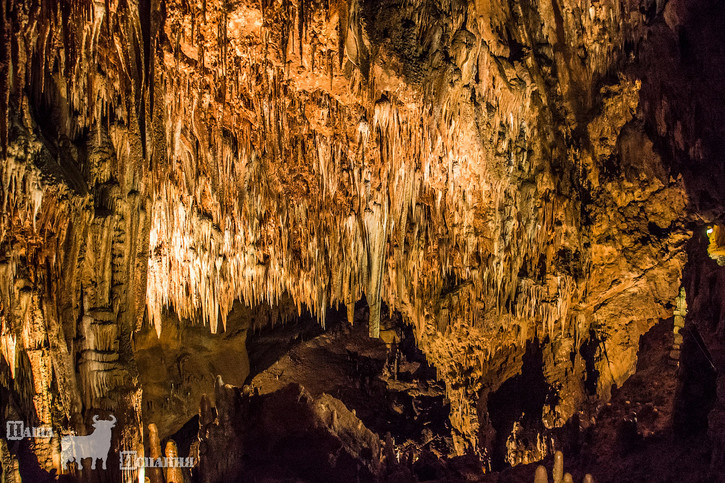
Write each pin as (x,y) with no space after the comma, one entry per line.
(282,435)
(182,363)
(513,178)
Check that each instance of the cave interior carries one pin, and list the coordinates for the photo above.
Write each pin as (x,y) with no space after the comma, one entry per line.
(362,240)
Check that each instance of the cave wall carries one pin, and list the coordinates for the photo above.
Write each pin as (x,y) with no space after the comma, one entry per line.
(701,386)
(493,171)
(182,363)
(75,219)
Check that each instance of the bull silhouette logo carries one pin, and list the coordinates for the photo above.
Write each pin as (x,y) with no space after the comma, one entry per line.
(95,446)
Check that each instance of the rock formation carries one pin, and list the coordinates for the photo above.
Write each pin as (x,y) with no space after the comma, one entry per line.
(518,180)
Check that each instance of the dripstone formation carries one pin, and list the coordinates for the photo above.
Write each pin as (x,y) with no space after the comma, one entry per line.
(520,181)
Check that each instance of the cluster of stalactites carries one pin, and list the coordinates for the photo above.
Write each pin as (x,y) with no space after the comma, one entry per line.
(281,193)
(22,196)
(259,197)
(392,210)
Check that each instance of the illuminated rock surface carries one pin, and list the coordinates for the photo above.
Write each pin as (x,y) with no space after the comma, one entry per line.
(516,185)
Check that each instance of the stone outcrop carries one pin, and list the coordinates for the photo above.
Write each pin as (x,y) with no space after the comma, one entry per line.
(182,363)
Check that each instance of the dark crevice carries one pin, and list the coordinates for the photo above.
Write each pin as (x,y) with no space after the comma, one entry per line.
(520,400)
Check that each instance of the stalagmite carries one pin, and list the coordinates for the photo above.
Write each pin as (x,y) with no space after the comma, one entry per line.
(558,472)
(155,475)
(140,453)
(173,474)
